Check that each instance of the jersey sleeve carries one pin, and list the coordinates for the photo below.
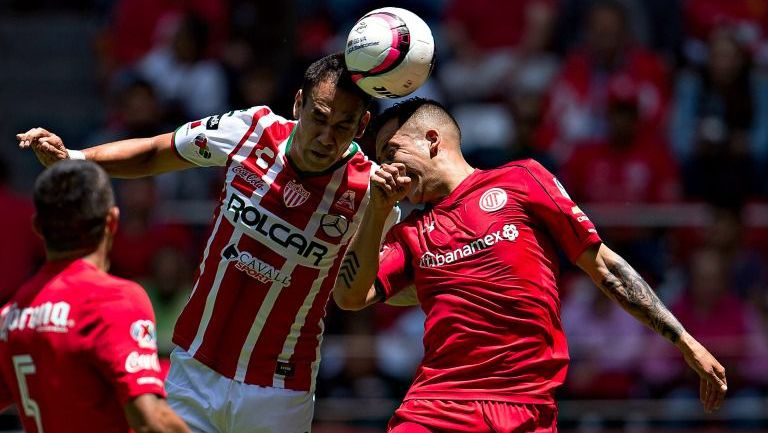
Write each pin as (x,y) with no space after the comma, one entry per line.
(118,328)
(209,141)
(550,204)
(394,267)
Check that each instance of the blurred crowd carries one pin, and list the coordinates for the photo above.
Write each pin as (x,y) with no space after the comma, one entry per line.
(629,102)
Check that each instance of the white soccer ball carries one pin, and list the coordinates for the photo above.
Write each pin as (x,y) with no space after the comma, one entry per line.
(390,52)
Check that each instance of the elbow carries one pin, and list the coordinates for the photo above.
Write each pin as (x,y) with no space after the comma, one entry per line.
(348,302)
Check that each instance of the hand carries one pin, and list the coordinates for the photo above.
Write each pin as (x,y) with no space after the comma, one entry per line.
(389,184)
(713,385)
(47,146)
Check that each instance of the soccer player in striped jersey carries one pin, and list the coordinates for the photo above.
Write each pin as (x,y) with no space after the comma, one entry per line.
(482,258)
(77,345)
(295,190)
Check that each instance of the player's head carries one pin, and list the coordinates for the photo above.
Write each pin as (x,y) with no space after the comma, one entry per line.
(421,134)
(332,111)
(75,208)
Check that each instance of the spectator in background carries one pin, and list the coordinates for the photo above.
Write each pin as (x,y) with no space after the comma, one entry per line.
(630,164)
(718,126)
(605,344)
(748,18)
(492,42)
(525,112)
(181,74)
(168,284)
(23,250)
(577,102)
(141,235)
(710,309)
(139,25)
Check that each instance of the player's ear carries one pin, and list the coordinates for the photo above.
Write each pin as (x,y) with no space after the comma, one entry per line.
(36,227)
(297,103)
(363,124)
(434,139)
(113,219)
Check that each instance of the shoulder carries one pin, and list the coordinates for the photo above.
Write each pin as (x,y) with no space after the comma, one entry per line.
(108,291)
(515,170)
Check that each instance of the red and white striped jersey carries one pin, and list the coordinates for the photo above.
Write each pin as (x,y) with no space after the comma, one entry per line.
(256,310)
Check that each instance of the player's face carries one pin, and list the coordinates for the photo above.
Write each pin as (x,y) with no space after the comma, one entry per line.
(407,146)
(329,119)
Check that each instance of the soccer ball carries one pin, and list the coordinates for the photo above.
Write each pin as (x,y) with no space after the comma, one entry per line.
(390,52)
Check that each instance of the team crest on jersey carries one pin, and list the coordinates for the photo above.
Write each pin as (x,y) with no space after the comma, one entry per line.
(493,199)
(143,331)
(347,200)
(201,141)
(334,225)
(294,194)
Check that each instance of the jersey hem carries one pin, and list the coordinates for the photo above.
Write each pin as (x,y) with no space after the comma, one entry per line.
(479,396)
(176,150)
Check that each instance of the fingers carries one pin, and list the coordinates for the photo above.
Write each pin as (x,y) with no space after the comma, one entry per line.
(391,178)
(27,138)
(713,389)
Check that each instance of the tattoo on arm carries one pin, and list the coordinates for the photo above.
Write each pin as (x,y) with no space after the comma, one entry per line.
(627,287)
(348,270)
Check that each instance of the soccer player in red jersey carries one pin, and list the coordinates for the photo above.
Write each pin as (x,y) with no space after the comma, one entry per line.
(293,196)
(77,345)
(482,258)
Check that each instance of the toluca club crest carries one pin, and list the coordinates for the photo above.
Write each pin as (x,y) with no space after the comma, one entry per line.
(294,194)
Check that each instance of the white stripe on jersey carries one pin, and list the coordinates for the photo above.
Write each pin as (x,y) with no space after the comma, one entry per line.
(298,322)
(274,290)
(237,233)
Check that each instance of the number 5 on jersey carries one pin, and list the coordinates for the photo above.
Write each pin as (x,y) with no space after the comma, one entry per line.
(23,366)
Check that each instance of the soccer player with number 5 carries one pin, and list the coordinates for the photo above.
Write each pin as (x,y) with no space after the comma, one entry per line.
(77,345)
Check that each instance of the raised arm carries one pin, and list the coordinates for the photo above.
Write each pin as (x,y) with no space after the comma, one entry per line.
(136,157)
(149,413)
(354,289)
(620,282)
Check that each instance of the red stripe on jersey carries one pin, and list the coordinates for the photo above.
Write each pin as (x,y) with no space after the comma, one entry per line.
(240,296)
(349,195)
(257,115)
(306,347)
(277,327)
(189,320)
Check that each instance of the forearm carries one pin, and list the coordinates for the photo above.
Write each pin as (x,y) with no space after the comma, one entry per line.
(354,285)
(151,414)
(136,157)
(624,285)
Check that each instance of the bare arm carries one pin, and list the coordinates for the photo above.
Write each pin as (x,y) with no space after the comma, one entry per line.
(149,413)
(354,289)
(136,157)
(620,282)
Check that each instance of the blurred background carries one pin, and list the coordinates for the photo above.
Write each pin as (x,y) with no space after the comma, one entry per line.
(654,114)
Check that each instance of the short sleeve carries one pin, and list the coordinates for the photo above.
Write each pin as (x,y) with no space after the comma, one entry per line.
(550,204)
(394,266)
(118,328)
(209,141)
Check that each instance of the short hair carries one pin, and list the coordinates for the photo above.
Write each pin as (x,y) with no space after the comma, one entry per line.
(420,109)
(72,199)
(332,68)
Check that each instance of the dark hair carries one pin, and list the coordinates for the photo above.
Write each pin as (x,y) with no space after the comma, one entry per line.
(332,68)
(72,199)
(614,6)
(422,107)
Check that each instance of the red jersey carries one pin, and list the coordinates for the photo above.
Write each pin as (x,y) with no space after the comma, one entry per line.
(485,267)
(76,344)
(279,235)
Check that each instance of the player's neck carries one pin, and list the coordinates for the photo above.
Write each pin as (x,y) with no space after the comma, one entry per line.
(97,257)
(453,172)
